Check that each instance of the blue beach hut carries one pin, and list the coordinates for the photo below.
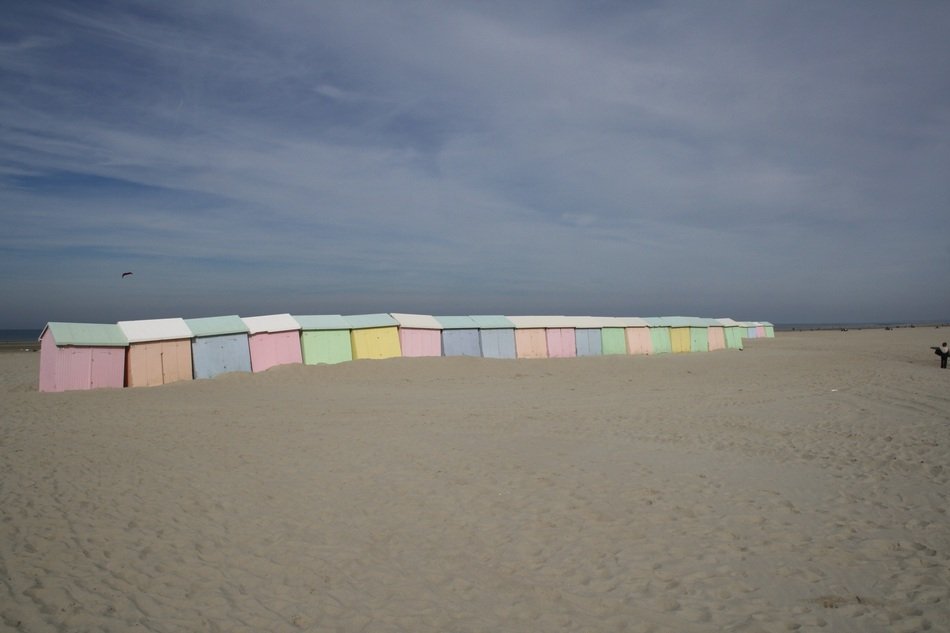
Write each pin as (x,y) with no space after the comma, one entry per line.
(496,335)
(460,336)
(219,346)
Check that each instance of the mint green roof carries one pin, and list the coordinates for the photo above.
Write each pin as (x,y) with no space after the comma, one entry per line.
(365,321)
(457,322)
(492,322)
(321,322)
(216,326)
(87,334)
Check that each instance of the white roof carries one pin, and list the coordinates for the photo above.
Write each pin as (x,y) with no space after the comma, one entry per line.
(523,322)
(155,330)
(727,322)
(417,321)
(633,322)
(270,323)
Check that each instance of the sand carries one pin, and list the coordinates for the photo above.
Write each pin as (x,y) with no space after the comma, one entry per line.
(801,484)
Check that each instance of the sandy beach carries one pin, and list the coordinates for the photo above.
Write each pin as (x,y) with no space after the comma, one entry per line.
(798,485)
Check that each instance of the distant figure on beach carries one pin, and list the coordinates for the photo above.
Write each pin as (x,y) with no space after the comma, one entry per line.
(943,352)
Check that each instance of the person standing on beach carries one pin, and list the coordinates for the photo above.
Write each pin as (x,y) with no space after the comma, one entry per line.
(943,352)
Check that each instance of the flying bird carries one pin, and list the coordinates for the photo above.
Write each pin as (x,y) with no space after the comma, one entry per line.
(128,274)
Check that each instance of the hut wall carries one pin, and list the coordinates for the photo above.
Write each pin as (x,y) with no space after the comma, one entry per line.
(158,362)
(679,339)
(463,342)
(561,342)
(588,341)
(760,331)
(416,342)
(377,343)
(660,339)
(733,337)
(613,340)
(270,349)
(698,339)
(220,354)
(71,368)
(717,338)
(498,343)
(638,340)
(326,346)
(531,343)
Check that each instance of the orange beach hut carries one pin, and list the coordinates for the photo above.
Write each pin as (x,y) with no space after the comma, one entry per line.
(159,351)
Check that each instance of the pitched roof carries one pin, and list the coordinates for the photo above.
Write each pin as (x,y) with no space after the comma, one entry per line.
(321,322)
(270,323)
(155,330)
(86,334)
(366,321)
(416,321)
(457,322)
(491,322)
(216,326)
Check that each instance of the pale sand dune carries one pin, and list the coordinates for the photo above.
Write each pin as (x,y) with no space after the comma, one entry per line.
(801,484)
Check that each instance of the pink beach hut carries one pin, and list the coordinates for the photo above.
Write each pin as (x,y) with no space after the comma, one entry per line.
(159,352)
(637,332)
(78,356)
(715,335)
(560,335)
(419,334)
(273,339)
(530,336)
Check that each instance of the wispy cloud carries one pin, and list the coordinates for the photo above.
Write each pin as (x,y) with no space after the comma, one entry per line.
(751,160)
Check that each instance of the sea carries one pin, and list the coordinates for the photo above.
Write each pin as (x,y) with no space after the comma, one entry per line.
(18,336)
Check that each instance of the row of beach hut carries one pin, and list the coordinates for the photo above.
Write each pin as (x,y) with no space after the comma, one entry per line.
(160,351)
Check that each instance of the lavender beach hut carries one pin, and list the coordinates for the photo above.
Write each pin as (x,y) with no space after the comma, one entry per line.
(78,356)
(496,335)
(159,352)
(273,339)
(588,335)
(219,346)
(460,336)
(324,338)
(419,334)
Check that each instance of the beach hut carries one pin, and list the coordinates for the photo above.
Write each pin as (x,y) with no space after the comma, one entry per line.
(715,335)
(733,333)
(419,334)
(679,328)
(613,337)
(374,336)
(769,329)
(530,336)
(637,333)
(749,329)
(561,340)
(75,356)
(660,335)
(496,335)
(219,346)
(273,339)
(588,339)
(159,352)
(324,338)
(460,336)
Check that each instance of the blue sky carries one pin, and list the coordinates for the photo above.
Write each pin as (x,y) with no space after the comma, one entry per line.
(781,161)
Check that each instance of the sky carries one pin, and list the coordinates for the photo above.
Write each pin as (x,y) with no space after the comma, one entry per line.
(781,161)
